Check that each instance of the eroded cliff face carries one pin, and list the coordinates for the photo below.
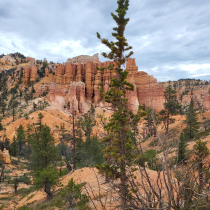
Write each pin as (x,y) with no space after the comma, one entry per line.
(191,88)
(78,83)
(147,91)
(30,73)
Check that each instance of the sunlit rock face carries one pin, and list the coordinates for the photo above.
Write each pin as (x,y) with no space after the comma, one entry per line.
(206,104)
(30,73)
(149,92)
(78,82)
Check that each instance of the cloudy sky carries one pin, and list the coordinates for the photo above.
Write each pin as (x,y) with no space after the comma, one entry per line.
(170,38)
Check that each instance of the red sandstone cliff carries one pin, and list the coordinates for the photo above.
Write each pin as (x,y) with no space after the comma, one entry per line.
(78,83)
(30,73)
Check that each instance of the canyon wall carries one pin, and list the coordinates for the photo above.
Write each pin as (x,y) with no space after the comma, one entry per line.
(30,73)
(78,82)
(83,59)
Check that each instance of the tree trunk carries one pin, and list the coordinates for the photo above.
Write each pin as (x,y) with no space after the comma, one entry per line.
(123,191)
(47,189)
(106,174)
(2,173)
(19,147)
(74,145)
(123,184)
(68,165)
(13,113)
(15,186)
(167,124)
(200,166)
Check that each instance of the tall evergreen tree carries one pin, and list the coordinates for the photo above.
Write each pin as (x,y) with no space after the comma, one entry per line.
(120,147)
(149,122)
(44,150)
(200,152)
(191,121)
(3,107)
(13,147)
(171,107)
(44,154)
(88,123)
(14,106)
(182,148)
(20,138)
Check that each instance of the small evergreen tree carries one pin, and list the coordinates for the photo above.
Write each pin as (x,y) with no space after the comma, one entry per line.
(14,105)
(13,147)
(7,143)
(20,138)
(44,154)
(3,107)
(191,121)
(1,127)
(46,178)
(200,152)
(149,122)
(182,148)
(171,107)
(121,148)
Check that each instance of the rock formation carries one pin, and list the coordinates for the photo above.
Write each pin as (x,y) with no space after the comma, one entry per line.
(7,59)
(29,59)
(206,104)
(78,82)
(46,73)
(30,73)
(5,156)
(42,89)
(83,59)
(149,92)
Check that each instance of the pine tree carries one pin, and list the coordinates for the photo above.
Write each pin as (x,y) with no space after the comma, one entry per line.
(171,107)
(88,123)
(44,150)
(28,139)
(149,122)
(200,152)
(1,127)
(13,147)
(182,148)
(72,121)
(3,107)
(120,147)
(20,138)
(14,105)
(7,143)
(44,153)
(191,121)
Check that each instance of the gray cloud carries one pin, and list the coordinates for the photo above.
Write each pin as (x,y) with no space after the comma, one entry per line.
(170,39)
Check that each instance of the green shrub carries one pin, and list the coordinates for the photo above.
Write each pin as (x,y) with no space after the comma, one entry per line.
(150,157)
(1,163)
(64,172)
(201,134)
(73,194)
(26,116)
(15,162)
(25,179)
(25,191)
(146,138)
(2,207)
(7,171)
(153,143)
(25,208)
(57,202)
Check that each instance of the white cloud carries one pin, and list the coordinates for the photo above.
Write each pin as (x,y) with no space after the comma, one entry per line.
(194,67)
(170,39)
(200,75)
